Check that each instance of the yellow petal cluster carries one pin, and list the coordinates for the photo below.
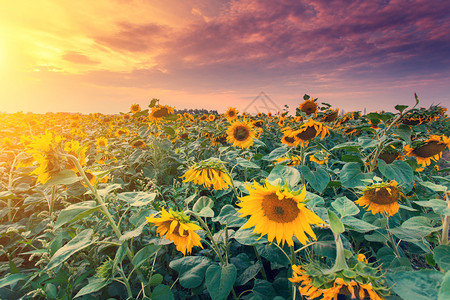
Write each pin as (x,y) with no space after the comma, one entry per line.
(278,213)
(176,229)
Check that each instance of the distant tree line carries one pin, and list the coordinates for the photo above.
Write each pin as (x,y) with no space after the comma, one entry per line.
(196,111)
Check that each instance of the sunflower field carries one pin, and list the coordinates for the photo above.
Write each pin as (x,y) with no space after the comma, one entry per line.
(159,204)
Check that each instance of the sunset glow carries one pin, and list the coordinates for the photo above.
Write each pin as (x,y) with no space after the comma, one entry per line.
(85,56)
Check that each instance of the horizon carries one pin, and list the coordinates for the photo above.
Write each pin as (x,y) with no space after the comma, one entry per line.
(58,56)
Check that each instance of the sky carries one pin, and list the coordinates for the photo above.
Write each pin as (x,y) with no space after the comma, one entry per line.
(105,55)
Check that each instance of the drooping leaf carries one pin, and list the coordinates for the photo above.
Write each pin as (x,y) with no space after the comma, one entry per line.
(95,284)
(75,212)
(442,256)
(191,270)
(284,175)
(417,285)
(399,171)
(203,207)
(317,179)
(351,175)
(220,280)
(345,207)
(79,242)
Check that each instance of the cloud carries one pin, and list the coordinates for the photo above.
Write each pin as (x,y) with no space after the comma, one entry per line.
(78,58)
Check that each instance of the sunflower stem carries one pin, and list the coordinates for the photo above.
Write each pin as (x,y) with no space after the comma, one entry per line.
(215,246)
(263,271)
(294,291)
(445,224)
(100,201)
(340,263)
(391,238)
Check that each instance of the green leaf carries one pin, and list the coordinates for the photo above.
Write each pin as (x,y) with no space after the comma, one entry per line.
(399,171)
(335,223)
(248,237)
(276,153)
(417,285)
(12,279)
(403,131)
(249,273)
(75,212)
(437,205)
(229,216)
(284,175)
(351,158)
(444,290)
(434,187)
(137,199)
(133,233)
(350,146)
(220,280)
(95,284)
(79,242)
(191,270)
(203,207)
(169,130)
(414,229)
(246,163)
(144,131)
(345,207)
(400,108)
(274,255)
(156,279)
(358,225)
(144,254)
(442,256)
(352,177)
(318,179)
(162,292)
(263,290)
(65,177)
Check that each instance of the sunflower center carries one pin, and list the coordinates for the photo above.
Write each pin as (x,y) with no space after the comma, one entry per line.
(309,108)
(241,133)
(383,195)
(162,112)
(289,139)
(430,149)
(280,211)
(307,134)
(388,157)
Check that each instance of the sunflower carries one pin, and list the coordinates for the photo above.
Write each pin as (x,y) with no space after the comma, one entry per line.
(330,115)
(209,173)
(319,157)
(289,138)
(281,122)
(159,112)
(101,142)
(278,213)
(203,118)
(219,140)
(122,131)
(241,134)
(311,288)
(176,227)
(293,161)
(135,108)
(231,113)
(211,118)
(308,107)
(431,149)
(381,197)
(310,130)
(258,123)
(138,144)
